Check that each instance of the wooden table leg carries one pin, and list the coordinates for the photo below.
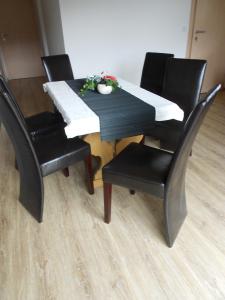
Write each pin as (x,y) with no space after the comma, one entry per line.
(102,149)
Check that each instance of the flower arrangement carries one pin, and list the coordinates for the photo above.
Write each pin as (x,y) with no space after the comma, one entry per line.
(96,82)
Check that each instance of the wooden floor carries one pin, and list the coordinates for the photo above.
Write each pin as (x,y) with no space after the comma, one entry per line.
(73,254)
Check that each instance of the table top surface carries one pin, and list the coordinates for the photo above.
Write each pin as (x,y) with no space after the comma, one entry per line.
(84,117)
(121,114)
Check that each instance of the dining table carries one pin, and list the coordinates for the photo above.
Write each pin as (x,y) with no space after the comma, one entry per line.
(109,122)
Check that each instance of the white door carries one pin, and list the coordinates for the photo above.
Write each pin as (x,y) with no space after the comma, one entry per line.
(208,40)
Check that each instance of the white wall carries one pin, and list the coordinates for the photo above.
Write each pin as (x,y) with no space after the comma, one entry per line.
(50,26)
(115,35)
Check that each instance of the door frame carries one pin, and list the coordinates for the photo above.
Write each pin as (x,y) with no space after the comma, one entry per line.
(3,69)
(41,26)
(191,27)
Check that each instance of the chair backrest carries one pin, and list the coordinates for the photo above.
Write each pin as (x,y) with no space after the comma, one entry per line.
(183,81)
(57,67)
(31,185)
(153,71)
(176,176)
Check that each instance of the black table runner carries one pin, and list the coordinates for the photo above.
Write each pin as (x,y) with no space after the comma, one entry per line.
(120,113)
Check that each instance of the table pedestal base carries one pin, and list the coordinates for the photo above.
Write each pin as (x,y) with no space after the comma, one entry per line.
(105,151)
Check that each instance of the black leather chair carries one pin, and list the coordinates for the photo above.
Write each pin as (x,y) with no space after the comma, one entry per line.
(57,67)
(158,172)
(182,84)
(39,124)
(39,158)
(153,71)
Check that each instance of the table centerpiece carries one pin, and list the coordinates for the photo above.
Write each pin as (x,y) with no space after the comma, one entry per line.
(104,84)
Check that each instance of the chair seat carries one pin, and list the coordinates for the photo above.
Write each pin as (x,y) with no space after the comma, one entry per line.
(139,167)
(56,152)
(44,123)
(168,132)
(171,129)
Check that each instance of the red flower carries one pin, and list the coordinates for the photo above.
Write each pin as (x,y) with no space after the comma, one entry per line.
(110,77)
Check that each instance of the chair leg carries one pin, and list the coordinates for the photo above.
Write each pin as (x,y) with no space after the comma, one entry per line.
(66,172)
(89,174)
(107,201)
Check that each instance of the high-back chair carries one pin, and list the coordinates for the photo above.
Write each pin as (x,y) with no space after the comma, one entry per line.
(153,71)
(40,158)
(57,67)
(38,124)
(158,172)
(182,84)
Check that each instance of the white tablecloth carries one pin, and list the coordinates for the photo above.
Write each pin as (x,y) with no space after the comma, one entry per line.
(82,120)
